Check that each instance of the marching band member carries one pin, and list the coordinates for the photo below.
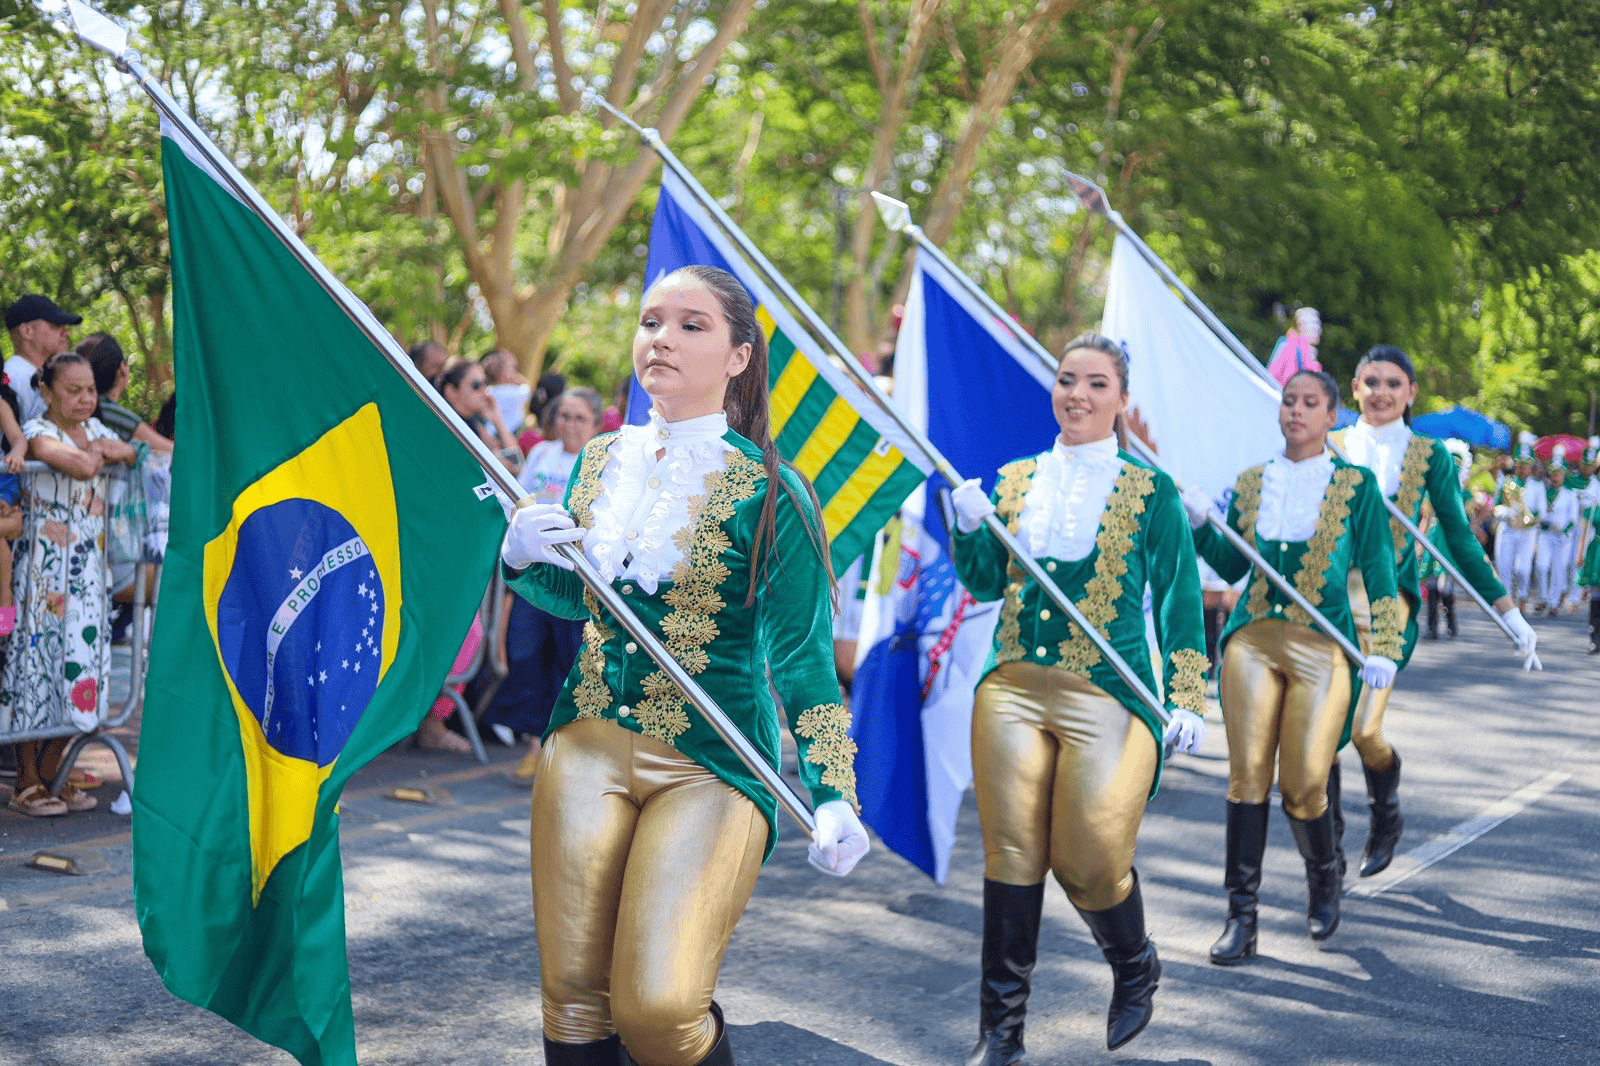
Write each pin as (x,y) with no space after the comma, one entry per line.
(648,832)
(1515,532)
(1410,467)
(1288,691)
(1064,756)
(1559,511)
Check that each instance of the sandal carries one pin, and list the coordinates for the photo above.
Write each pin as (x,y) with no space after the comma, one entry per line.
(85,779)
(77,800)
(443,740)
(35,802)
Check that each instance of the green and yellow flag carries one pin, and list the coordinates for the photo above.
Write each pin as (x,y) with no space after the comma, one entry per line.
(330,541)
(861,463)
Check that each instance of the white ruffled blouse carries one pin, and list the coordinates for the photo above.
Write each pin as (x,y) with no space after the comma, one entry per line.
(644,500)
(1291,496)
(1380,450)
(1061,513)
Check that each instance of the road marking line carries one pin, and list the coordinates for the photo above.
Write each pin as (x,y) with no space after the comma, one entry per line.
(1419,859)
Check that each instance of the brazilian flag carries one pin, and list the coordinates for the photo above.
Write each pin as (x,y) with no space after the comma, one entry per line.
(329,543)
(861,463)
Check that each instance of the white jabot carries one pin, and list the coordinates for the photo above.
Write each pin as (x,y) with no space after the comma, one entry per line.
(1382,451)
(1061,513)
(644,499)
(1291,496)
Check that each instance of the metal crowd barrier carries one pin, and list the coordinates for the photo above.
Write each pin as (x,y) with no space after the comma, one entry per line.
(111,716)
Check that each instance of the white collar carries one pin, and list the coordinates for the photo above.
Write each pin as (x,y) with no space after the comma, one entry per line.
(1282,459)
(1388,435)
(1097,453)
(700,430)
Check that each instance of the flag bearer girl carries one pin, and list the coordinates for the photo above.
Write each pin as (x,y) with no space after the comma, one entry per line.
(1064,756)
(648,832)
(1409,467)
(1287,689)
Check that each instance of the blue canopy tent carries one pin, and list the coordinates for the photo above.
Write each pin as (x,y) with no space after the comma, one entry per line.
(1463,423)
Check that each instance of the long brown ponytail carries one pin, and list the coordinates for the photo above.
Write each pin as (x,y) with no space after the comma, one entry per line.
(750,415)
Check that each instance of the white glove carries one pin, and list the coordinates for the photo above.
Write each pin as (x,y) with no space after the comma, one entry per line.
(840,839)
(1185,732)
(1378,672)
(1198,506)
(972,505)
(1525,637)
(534,532)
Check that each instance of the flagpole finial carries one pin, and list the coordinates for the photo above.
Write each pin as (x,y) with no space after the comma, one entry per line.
(1089,194)
(98,30)
(896,214)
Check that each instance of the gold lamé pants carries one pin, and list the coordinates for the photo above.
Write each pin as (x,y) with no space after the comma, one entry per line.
(643,861)
(1062,772)
(1367,732)
(1285,693)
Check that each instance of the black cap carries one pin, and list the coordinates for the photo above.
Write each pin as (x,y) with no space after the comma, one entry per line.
(34,307)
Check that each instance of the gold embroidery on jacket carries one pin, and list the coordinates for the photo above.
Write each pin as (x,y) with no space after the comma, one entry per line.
(1408,497)
(1118,528)
(694,596)
(1189,680)
(1312,576)
(1388,628)
(587,490)
(827,728)
(1012,490)
(592,696)
(1247,498)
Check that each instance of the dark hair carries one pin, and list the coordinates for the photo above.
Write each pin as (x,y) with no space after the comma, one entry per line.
(105,359)
(166,422)
(419,352)
(1330,385)
(750,415)
(452,375)
(1096,342)
(46,374)
(1388,353)
(549,387)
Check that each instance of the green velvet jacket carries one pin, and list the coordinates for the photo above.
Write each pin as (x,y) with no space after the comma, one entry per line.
(1351,534)
(699,613)
(1589,575)
(1428,470)
(1143,538)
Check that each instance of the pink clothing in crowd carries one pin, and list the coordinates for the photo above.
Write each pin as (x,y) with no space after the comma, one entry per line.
(1292,354)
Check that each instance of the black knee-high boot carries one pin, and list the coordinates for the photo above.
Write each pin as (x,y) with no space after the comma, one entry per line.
(1011,916)
(1448,599)
(1314,838)
(1383,792)
(721,1053)
(1594,621)
(607,1052)
(1433,610)
(1135,968)
(1336,805)
(1241,876)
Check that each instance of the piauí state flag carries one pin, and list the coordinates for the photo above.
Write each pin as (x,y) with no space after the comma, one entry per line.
(967,381)
(859,461)
(330,541)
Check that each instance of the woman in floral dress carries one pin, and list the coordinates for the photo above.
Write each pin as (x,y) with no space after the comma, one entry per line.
(59,657)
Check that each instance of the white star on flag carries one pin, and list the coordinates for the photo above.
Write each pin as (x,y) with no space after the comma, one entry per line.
(294,573)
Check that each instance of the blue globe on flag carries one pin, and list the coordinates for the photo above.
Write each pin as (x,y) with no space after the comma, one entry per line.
(300,627)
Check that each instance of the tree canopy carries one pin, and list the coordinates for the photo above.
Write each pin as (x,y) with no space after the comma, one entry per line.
(1418,170)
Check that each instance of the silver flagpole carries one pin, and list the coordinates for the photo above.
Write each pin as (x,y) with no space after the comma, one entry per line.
(99,31)
(853,366)
(897,216)
(1094,198)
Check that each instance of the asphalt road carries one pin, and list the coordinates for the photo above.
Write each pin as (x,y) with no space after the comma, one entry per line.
(1489,955)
